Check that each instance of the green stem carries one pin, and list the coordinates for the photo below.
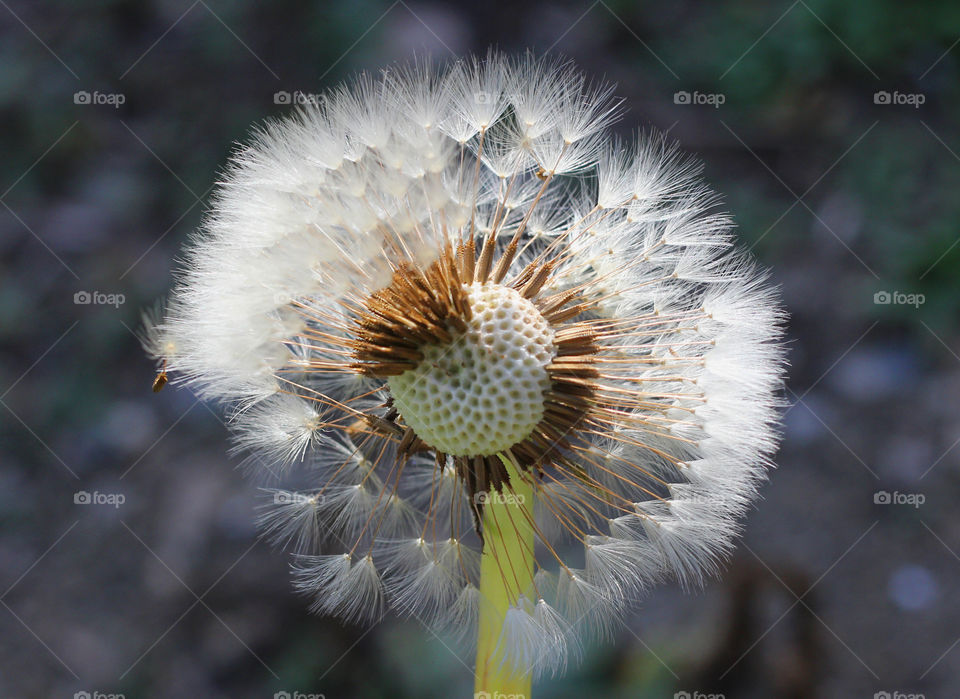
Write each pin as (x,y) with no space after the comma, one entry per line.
(506,572)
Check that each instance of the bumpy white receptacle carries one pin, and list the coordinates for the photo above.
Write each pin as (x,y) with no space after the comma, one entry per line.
(483,392)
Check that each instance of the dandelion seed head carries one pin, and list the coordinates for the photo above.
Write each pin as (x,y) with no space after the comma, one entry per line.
(437,269)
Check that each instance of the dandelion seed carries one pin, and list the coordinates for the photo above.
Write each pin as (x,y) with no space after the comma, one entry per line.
(521,364)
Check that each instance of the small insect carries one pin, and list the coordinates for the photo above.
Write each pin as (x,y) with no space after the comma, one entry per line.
(161,380)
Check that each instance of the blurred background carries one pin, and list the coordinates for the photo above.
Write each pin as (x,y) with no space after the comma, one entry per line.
(129,563)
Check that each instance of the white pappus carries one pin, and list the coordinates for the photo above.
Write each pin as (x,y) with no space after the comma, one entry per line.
(351,242)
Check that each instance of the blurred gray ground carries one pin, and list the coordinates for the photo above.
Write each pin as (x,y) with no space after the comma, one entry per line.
(836,147)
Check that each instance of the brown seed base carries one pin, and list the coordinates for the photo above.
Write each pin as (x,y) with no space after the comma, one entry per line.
(421,307)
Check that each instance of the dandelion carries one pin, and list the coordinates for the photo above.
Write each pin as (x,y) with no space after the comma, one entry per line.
(518,363)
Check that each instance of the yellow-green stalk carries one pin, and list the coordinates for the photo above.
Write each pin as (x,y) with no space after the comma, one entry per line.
(506,572)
